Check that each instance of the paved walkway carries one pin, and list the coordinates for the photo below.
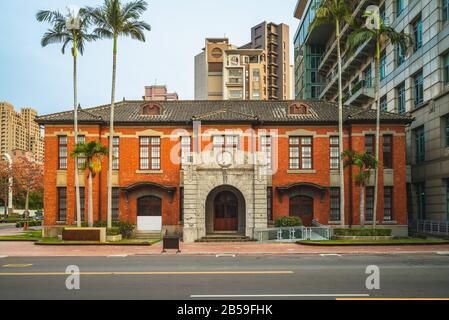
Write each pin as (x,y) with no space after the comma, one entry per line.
(28,249)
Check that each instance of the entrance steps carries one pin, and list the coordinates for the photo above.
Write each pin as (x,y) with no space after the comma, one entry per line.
(147,235)
(225,238)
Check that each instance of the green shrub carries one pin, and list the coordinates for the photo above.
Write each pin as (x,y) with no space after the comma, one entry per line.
(363,232)
(288,222)
(114,231)
(31,223)
(126,229)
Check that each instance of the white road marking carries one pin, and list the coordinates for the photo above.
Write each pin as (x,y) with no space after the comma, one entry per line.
(330,255)
(443,253)
(223,255)
(2,257)
(117,256)
(279,295)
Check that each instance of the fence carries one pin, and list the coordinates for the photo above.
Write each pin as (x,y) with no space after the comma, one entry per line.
(431,227)
(293,234)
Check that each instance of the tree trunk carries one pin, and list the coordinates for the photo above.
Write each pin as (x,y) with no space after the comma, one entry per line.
(90,207)
(340,130)
(376,177)
(362,206)
(27,201)
(75,132)
(111,134)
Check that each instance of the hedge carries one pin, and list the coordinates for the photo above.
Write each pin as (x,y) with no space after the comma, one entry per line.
(288,222)
(363,232)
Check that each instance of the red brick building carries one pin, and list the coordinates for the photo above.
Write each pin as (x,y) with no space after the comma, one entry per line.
(205,167)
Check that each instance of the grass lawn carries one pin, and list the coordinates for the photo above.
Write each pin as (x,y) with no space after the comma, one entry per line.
(124,242)
(399,241)
(33,235)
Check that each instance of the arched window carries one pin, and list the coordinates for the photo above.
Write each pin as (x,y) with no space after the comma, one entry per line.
(151,110)
(298,109)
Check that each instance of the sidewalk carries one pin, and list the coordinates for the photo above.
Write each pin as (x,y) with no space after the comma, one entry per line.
(28,249)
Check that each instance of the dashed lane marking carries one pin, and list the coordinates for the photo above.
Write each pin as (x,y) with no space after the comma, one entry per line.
(17,265)
(330,255)
(155,273)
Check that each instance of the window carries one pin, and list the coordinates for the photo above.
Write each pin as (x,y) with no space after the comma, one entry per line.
(368,77)
(226,143)
(421,200)
(446,67)
(400,56)
(256,75)
(388,151)
(62,154)
(334,153)
(418,89)
(270,203)
(383,65)
(115,204)
(150,153)
(301,153)
(335,204)
(115,153)
(81,160)
(265,147)
(400,6)
(369,198)
(82,201)
(447,199)
(420,147)
(417,34)
(181,204)
(235,94)
(446,131)
(62,204)
(383,104)
(445,10)
(369,144)
(256,94)
(388,203)
(186,150)
(401,98)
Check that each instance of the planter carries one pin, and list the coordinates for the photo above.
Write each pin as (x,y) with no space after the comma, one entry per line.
(366,238)
(84,234)
(114,238)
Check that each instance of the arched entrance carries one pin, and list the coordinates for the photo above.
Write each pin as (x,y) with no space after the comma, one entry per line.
(149,213)
(302,207)
(225,211)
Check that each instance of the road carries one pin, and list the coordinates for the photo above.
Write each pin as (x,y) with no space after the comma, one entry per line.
(211,277)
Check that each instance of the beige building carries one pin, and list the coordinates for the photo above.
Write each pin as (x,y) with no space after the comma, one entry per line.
(20,131)
(259,70)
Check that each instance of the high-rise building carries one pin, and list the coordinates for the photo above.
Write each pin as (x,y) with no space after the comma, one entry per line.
(416,82)
(159,93)
(19,130)
(258,70)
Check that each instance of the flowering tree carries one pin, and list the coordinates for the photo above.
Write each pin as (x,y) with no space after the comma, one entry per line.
(28,177)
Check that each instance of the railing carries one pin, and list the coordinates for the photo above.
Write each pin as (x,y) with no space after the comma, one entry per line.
(293,234)
(431,227)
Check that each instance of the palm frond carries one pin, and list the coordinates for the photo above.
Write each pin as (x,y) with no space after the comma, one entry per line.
(357,38)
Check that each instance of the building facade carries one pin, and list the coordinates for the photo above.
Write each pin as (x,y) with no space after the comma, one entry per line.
(258,70)
(416,82)
(159,93)
(20,131)
(199,168)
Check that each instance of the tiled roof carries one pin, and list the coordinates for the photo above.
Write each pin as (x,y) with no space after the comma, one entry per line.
(223,111)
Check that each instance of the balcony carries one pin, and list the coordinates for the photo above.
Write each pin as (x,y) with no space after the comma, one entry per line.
(234,82)
(359,94)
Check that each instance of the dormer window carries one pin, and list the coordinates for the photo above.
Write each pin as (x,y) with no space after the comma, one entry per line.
(298,109)
(151,109)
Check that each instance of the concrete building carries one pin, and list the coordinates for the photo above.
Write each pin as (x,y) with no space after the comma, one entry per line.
(417,82)
(258,70)
(159,93)
(19,130)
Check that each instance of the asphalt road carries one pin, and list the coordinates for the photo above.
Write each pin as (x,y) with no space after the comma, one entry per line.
(244,277)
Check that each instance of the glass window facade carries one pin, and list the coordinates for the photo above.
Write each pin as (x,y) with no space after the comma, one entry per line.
(418,89)
(383,66)
(383,104)
(417,34)
(401,98)
(446,68)
(420,146)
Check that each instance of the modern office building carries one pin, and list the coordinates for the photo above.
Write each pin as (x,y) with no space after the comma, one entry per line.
(159,93)
(416,82)
(258,70)
(20,131)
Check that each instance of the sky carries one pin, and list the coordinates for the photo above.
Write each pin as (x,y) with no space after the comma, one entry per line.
(32,76)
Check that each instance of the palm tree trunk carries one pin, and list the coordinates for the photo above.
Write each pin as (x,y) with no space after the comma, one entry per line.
(111,133)
(75,132)
(362,206)
(340,129)
(90,207)
(376,177)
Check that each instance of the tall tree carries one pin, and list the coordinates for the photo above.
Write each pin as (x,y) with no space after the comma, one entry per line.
(93,152)
(113,20)
(69,29)
(365,162)
(377,30)
(337,13)
(29,178)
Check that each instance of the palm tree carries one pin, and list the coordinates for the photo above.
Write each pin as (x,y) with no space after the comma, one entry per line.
(93,152)
(365,162)
(382,34)
(71,28)
(337,12)
(113,20)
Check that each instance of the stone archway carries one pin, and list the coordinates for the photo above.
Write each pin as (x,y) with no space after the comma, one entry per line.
(225,211)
